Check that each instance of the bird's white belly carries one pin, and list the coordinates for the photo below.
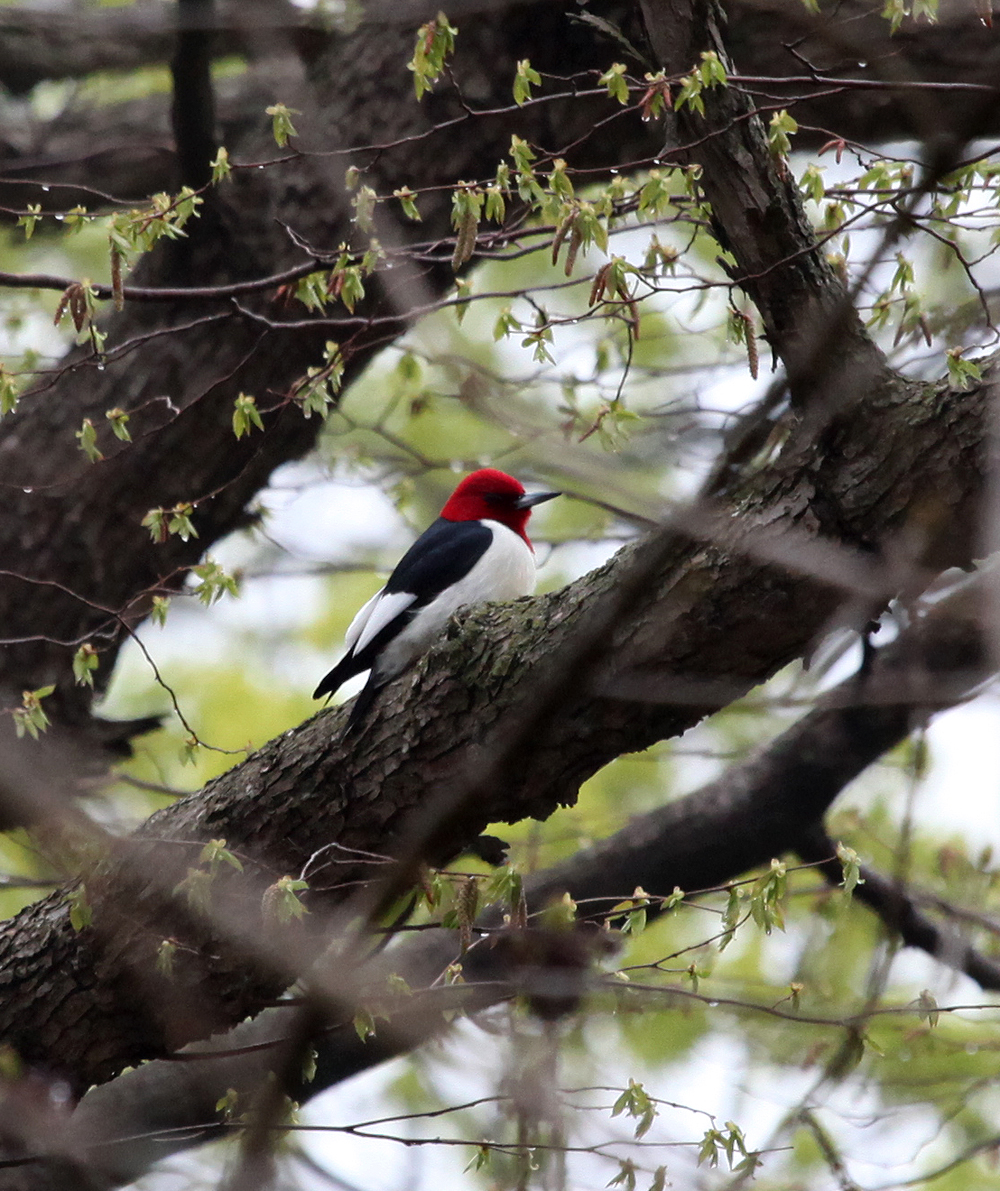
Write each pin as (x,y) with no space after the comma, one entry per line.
(506,571)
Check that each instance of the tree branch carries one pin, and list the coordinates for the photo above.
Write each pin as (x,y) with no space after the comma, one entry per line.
(758,809)
(730,593)
(733,620)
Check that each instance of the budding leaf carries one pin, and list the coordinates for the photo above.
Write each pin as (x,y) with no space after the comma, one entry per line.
(87,438)
(85,662)
(281,123)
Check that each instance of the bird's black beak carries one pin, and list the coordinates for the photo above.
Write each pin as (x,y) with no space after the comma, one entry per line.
(530,499)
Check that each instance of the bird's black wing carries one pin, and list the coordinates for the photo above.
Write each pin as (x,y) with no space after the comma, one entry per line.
(444,553)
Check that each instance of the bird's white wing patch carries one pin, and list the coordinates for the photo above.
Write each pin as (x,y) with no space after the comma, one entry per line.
(357,625)
(381,610)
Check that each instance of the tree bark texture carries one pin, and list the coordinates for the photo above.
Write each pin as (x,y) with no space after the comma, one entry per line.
(759,808)
(857,505)
(713,624)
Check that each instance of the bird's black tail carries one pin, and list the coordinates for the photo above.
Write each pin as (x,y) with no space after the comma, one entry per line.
(346,668)
(364,701)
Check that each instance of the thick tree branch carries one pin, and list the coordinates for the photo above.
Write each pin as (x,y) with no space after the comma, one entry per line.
(758,809)
(715,621)
(729,594)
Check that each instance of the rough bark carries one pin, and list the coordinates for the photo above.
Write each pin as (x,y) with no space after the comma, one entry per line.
(713,623)
(758,809)
(851,509)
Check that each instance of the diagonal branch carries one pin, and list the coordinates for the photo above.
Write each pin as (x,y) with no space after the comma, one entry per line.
(715,617)
(758,809)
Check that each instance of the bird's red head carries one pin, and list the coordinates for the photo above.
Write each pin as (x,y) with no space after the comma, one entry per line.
(489,494)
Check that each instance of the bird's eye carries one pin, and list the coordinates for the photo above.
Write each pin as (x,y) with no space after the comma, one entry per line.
(496,498)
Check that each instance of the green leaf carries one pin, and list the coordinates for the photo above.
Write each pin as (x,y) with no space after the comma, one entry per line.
(28,221)
(780,130)
(811,183)
(85,662)
(221,169)
(245,415)
(712,71)
(118,420)
(213,582)
(8,393)
(635,1101)
(435,41)
(179,521)
(851,866)
(506,324)
(615,81)
(156,522)
(281,123)
(524,79)
(215,853)
(87,438)
(158,611)
(625,1176)
(690,91)
(364,1025)
(282,901)
(496,207)
(963,374)
(30,717)
(408,201)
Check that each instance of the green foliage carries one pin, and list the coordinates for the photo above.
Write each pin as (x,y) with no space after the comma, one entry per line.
(281,124)
(246,415)
(30,718)
(636,1103)
(962,373)
(435,42)
(87,438)
(616,81)
(281,901)
(709,73)
(213,582)
(779,133)
(525,78)
(8,392)
(85,662)
(221,169)
(161,522)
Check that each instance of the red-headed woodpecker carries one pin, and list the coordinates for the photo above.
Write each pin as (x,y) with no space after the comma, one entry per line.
(477,550)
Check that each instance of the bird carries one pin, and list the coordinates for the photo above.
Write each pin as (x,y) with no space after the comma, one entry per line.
(478,549)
